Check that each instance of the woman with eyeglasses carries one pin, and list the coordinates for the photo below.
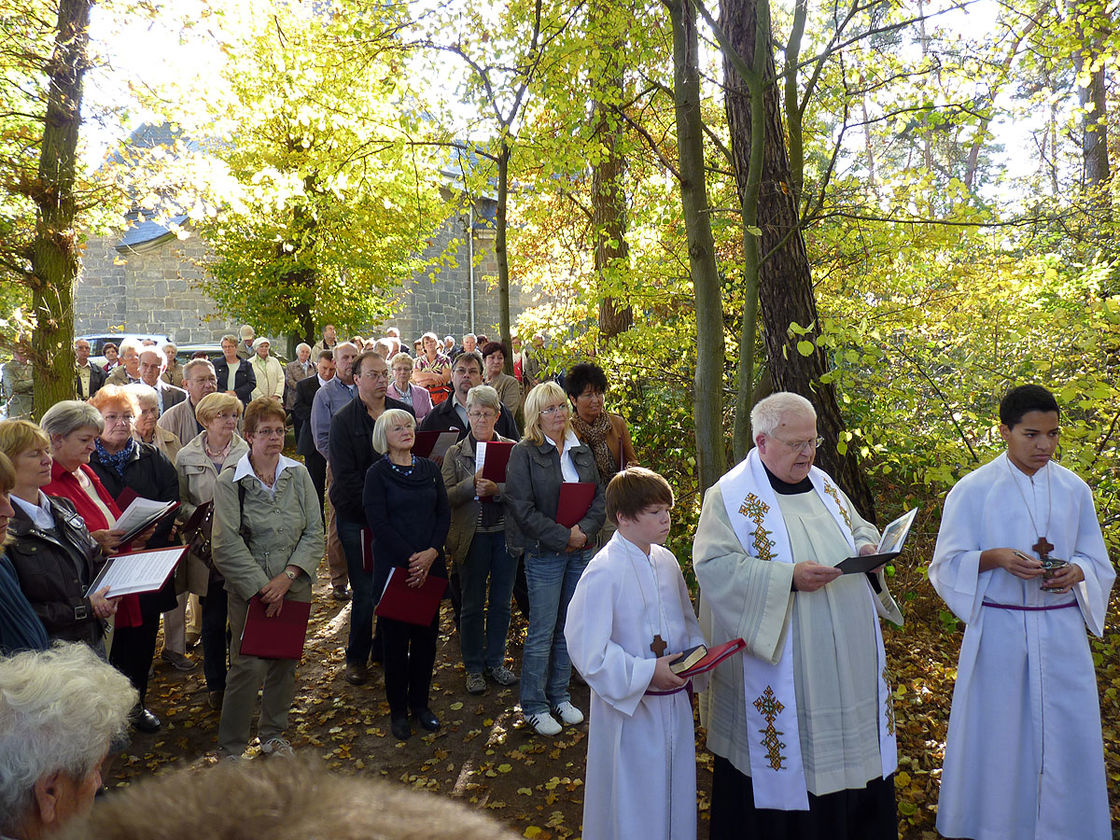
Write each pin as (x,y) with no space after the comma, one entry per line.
(476,544)
(128,468)
(216,447)
(267,542)
(548,456)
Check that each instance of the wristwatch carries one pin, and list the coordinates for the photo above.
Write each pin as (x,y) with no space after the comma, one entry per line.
(291,575)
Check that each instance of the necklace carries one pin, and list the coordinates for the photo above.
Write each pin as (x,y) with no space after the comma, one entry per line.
(216,453)
(398,468)
(265,479)
(1042,547)
(658,645)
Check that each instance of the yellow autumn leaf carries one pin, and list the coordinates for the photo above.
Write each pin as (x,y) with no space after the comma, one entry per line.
(532,831)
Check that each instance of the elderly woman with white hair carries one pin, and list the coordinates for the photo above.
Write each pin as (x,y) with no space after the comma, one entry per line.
(144,427)
(406,507)
(267,369)
(401,387)
(294,373)
(476,544)
(59,711)
(173,373)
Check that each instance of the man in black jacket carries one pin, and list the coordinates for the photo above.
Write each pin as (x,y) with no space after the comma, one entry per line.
(301,414)
(244,380)
(351,454)
(451,414)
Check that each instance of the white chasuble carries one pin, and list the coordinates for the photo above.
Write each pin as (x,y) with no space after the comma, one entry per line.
(641,757)
(1024,758)
(809,711)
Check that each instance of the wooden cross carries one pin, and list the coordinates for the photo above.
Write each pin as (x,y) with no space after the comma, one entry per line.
(658,645)
(1043,548)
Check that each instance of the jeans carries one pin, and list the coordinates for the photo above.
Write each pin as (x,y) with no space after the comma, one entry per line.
(360,642)
(545,666)
(483,627)
(214,638)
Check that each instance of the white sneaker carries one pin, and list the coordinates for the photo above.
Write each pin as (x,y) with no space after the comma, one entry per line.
(543,723)
(569,715)
(277,747)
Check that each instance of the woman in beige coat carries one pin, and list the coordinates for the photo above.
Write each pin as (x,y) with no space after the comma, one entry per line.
(268,541)
(198,464)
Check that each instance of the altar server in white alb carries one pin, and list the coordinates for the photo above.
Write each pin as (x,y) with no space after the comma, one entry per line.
(630,615)
(803,729)
(1024,759)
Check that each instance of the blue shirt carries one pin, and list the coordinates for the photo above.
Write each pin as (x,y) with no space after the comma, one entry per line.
(20,628)
(328,400)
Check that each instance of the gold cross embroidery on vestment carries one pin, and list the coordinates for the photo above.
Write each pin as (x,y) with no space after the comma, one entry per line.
(830,490)
(890,701)
(770,707)
(755,510)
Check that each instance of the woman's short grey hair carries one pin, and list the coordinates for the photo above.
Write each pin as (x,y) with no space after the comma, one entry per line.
(387,418)
(59,709)
(68,416)
(484,396)
(302,345)
(143,392)
(767,414)
(401,359)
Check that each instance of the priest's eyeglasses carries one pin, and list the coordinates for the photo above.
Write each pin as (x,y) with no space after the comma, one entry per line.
(802,445)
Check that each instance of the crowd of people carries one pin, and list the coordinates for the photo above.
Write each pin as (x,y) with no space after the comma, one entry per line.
(802,724)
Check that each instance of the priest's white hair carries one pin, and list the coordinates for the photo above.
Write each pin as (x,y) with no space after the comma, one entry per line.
(767,414)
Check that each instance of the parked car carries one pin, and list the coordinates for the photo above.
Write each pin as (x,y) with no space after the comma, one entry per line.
(185,352)
(97,342)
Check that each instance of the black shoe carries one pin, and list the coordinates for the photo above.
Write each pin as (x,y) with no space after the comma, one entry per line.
(400,728)
(145,721)
(425,718)
(356,673)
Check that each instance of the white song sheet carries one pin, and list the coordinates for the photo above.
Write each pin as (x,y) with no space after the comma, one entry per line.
(138,571)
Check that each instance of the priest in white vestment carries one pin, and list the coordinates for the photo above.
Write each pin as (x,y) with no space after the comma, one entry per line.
(1024,759)
(803,731)
(630,615)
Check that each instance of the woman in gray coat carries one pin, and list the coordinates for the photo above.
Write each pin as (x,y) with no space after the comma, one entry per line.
(268,541)
(547,457)
(476,543)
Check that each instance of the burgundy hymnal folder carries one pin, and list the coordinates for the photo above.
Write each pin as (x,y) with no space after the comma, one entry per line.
(279,637)
(575,500)
(402,602)
(497,457)
(711,659)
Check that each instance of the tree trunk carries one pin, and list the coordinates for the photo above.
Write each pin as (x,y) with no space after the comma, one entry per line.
(500,252)
(54,251)
(1090,28)
(786,288)
(608,211)
(707,398)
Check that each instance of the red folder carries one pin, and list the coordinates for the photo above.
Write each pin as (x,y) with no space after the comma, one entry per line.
(425,442)
(713,657)
(402,602)
(497,457)
(575,501)
(279,637)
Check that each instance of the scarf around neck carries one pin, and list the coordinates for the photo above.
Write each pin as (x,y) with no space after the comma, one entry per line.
(595,436)
(115,460)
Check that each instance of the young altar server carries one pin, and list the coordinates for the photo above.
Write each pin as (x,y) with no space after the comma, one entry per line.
(1024,757)
(630,615)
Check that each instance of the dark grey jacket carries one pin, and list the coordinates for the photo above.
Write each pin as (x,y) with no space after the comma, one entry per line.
(532,493)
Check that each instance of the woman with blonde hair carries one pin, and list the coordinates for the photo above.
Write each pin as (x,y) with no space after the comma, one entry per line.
(53,554)
(406,507)
(548,456)
(20,628)
(198,464)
